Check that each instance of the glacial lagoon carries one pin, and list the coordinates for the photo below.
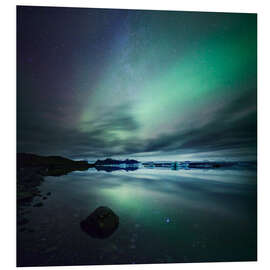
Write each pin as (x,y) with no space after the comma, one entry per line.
(165,216)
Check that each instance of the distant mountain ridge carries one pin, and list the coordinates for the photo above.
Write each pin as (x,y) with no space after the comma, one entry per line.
(110,161)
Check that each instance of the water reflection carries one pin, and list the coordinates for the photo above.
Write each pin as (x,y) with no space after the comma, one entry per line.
(112,169)
(166,216)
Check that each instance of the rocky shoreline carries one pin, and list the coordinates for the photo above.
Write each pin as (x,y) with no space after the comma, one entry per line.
(31,170)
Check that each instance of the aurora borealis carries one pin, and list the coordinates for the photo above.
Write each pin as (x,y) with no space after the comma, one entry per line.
(151,85)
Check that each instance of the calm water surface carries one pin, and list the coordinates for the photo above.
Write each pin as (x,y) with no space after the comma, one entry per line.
(165,216)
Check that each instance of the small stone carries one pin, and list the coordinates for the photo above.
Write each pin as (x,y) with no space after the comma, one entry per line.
(38,204)
(22,221)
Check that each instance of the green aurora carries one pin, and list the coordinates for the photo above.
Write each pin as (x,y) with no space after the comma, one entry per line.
(145,84)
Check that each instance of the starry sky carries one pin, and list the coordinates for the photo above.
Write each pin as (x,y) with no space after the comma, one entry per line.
(150,85)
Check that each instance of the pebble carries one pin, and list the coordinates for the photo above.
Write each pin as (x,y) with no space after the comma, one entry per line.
(23,221)
(38,204)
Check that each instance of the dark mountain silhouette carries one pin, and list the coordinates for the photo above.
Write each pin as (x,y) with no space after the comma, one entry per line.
(31,160)
(109,161)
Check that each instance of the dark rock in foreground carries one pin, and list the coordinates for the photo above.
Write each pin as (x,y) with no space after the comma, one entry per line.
(101,223)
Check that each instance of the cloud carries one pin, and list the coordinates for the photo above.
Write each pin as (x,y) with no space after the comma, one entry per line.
(233,129)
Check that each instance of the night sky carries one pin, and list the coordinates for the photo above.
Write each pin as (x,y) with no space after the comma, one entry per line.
(150,85)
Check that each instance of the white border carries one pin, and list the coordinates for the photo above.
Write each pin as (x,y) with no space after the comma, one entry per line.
(183,5)
(8,118)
